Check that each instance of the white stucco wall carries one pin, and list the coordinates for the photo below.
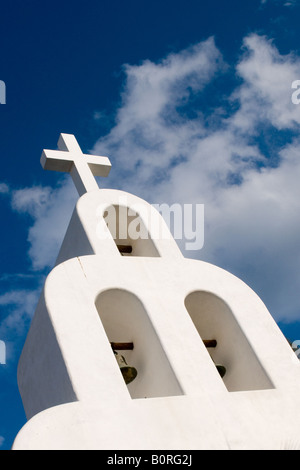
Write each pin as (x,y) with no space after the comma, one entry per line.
(71,386)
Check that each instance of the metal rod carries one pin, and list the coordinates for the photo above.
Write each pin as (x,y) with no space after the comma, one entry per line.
(210,343)
(125,248)
(122,346)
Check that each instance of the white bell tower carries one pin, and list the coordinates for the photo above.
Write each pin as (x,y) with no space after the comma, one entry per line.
(213,369)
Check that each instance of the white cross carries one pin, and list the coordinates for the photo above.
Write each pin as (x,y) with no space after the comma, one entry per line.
(69,158)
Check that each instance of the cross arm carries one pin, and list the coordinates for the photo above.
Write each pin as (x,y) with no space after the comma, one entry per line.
(99,166)
(56,161)
(70,159)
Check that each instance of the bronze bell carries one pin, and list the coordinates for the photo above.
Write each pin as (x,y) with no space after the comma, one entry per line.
(221,369)
(129,373)
(212,343)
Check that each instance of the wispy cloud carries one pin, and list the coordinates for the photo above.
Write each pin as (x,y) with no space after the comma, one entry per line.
(50,210)
(17,307)
(251,199)
(174,141)
(150,132)
(267,77)
(32,200)
(285,3)
(4,188)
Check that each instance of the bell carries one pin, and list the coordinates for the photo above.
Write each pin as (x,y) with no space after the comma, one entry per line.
(212,343)
(129,373)
(221,369)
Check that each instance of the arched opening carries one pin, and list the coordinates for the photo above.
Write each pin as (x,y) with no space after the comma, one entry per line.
(214,319)
(129,232)
(125,320)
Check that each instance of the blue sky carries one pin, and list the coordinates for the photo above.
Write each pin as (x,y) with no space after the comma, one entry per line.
(190,100)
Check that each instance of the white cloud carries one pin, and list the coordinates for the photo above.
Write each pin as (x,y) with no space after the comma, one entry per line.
(4,188)
(265,93)
(289,3)
(2,440)
(16,311)
(20,304)
(150,133)
(164,153)
(31,200)
(251,227)
(47,232)
(254,231)
(51,210)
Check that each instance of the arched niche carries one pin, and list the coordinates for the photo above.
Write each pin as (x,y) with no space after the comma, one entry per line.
(125,319)
(214,319)
(129,231)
